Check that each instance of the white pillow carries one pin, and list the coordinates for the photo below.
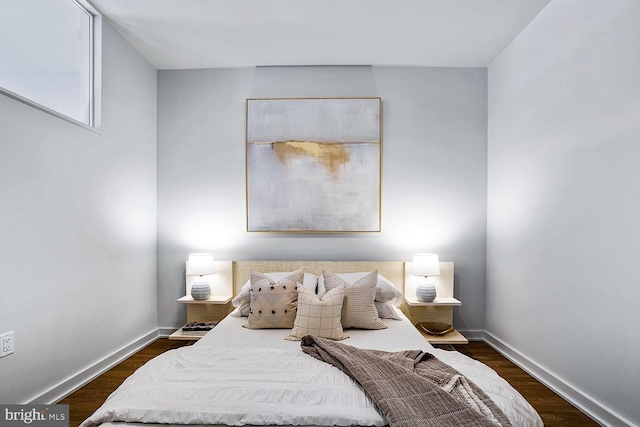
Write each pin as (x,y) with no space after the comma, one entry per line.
(243,299)
(386,310)
(320,288)
(385,290)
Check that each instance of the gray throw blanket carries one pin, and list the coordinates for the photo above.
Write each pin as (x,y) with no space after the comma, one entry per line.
(411,388)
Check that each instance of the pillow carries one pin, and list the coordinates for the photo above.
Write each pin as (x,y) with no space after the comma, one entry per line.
(320,289)
(385,290)
(386,310)
(273,305)
(243,299)
(319,316)
(358,310)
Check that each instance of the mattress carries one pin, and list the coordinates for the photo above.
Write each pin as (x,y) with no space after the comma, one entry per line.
(239,376)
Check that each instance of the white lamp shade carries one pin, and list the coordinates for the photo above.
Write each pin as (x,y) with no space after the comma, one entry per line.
(426,265)
(200,265)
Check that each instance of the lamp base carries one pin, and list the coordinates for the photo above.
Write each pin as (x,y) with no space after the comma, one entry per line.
(426,292)
(200,291)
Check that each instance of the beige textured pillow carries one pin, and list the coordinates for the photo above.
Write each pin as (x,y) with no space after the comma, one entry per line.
(319,316)
(358,310)
(273,305)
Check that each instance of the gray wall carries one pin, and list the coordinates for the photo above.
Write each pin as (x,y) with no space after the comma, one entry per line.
(563,201)
(78,227)
(433,172)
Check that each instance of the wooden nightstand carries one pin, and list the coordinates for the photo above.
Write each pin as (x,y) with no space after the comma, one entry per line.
(215,308)
(440,310)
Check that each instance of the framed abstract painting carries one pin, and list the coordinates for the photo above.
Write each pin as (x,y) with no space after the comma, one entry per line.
(314,164)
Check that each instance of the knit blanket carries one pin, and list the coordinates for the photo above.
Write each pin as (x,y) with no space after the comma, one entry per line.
(411,388)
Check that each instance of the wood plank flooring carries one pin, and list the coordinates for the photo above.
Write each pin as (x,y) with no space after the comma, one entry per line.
(555,411)
(84,401)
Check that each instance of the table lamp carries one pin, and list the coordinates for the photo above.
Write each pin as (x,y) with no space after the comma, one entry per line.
(200,265)
(427,266)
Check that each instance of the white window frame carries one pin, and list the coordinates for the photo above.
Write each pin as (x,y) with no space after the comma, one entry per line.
(95,91)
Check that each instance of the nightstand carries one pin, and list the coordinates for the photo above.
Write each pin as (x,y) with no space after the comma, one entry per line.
(215,308)
(439,310)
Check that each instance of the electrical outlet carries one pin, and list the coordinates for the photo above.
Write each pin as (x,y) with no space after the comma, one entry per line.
(6,341)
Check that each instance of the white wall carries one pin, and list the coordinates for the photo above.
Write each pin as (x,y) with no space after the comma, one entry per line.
(433,172)
(78,227)
(563,202)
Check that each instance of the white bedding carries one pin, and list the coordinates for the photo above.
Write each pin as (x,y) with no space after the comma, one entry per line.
(236,376)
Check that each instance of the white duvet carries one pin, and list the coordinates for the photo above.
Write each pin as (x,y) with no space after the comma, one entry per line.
(237,376)
(196,385)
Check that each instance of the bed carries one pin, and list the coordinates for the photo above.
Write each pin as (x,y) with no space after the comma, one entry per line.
(236,375)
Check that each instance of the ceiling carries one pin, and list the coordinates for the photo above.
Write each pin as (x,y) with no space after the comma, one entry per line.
(185,34)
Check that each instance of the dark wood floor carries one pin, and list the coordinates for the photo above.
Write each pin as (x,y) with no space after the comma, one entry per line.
(555,411)
(84,401)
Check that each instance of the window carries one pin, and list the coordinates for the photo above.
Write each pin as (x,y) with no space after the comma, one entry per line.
(49,57)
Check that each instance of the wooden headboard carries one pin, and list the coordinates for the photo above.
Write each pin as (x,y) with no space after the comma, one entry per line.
(234,274)
(392,270)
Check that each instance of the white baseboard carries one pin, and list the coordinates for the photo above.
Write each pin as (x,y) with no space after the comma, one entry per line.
(165,332)
(597,411)
(73,383)
(472,334)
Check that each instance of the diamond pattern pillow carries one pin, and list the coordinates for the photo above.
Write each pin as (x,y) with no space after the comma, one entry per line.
(243,299)
(358,310)
(273,305)
(319,316)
